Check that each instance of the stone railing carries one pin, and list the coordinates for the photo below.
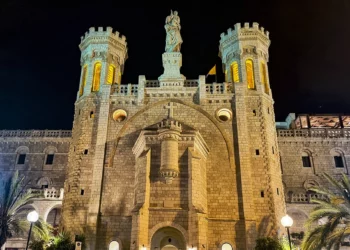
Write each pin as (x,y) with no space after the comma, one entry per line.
(218,88)
(156,83)
(48,193)
(314,132)
(191,83)
(36,133)
(130,90)
(152,84)
(305,198)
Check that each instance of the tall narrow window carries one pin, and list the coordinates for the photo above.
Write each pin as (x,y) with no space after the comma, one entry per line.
(83,80)
(250,73)
(338,160)
(264,77)
(235,72)
(97,77)
(21,159)
(49,159)
(111,74)
(226,75)
(306,160)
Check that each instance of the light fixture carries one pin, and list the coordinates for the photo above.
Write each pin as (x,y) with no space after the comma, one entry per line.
(143,247)
(32,217)
(287,222)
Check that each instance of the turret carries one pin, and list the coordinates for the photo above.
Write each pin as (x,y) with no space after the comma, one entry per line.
(103,54)
(244,54)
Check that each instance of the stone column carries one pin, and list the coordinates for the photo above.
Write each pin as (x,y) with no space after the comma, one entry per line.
(169,133)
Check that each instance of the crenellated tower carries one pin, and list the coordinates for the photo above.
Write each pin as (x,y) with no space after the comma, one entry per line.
(244,54)
(103,54)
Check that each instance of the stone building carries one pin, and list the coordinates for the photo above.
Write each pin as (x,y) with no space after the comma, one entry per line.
(311,145)
(41,156)
(174,163)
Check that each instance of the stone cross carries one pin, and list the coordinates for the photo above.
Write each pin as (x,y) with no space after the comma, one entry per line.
(171,107)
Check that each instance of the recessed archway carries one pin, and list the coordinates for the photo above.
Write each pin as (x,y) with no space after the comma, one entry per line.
(168,238)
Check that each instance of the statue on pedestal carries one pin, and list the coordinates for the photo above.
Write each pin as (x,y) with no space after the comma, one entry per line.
(173,36)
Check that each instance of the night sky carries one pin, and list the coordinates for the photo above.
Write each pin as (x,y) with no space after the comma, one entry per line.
(40,60)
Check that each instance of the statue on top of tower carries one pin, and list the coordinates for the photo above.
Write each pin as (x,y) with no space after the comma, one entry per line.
(173,36)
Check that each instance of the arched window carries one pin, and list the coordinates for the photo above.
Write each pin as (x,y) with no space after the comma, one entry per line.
(264,77)
(250,73)
(226,246)
(50,155)
(338,159)
(235,72)
(111,74)
(22,152)
(83,80)
(114,245)
(97,77)
(306,160)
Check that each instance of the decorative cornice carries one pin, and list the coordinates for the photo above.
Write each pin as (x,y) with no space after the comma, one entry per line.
(192,138)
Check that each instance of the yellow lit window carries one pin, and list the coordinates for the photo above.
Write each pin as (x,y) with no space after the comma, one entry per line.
(250,73)
(83,80)
(97,77)
(111,73)
(264,77)
(235,72)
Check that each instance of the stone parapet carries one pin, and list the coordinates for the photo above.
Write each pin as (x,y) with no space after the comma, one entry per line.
(317,132)
(36,133)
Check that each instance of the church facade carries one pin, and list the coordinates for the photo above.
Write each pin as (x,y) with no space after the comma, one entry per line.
(174,163)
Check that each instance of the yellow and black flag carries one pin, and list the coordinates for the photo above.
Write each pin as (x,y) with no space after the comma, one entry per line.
(213,72)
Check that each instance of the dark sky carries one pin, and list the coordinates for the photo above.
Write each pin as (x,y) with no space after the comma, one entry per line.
(40,59)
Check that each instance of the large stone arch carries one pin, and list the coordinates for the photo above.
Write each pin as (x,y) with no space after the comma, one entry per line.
(52,205)
(168,224)
(229,144)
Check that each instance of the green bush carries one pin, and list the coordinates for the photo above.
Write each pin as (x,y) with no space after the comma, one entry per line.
(267,243)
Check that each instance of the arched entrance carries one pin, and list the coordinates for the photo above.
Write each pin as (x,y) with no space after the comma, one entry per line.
(168,238)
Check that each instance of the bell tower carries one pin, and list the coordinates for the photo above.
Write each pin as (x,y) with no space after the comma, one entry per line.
(244,54)
(103,54)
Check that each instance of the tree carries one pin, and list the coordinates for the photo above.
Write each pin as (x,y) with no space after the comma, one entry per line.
(12,199)
(333,206)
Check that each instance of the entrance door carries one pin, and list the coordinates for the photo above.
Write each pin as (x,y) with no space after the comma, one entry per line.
(168,238)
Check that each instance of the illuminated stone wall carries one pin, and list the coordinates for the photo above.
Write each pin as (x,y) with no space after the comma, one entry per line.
(46,180)
(320,145)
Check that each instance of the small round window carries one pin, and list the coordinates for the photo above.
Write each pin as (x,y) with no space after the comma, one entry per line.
(224,115)
(119,115)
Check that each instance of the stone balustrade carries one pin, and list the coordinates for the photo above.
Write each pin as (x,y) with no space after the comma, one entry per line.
(48,193)
(315,132)
(218,88)
(36,133)
(305,198)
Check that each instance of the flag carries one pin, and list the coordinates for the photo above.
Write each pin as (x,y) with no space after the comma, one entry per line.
(212,71)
